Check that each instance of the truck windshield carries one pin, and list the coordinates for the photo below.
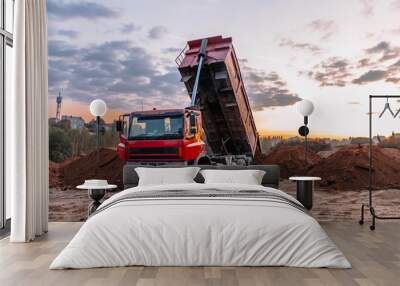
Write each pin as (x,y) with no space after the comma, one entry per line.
(156,127)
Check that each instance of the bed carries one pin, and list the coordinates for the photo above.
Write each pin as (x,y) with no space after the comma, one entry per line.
(198,224)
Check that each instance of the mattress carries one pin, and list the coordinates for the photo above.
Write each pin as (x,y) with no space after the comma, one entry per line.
(201,225)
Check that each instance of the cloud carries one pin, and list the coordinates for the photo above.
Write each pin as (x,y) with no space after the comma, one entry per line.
(365,62)
(68,33)
(393,71)
(157,32)
(386,53)
(83,9)
(396,64)
(386,50)
(314,49)
(379,62)
(395,4)
(380,47)
(367,7)
(370,76)
(266,89)
(171,50)
(324,27)
(332,72)
(369,35)
(395,31)
(129,28)
(57,48)
(122,74)
(394,80)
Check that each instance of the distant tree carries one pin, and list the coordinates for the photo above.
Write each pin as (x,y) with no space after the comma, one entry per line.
(390,144)
(62,124)
(265,144)
(92,126)
(82,141)
(65,142)
(313,145)
(110,139)
(60,147)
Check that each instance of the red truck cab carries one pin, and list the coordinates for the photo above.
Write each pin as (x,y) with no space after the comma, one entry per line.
(162,136)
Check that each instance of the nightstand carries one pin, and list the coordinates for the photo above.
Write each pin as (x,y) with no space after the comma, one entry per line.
(305,189)
(96,191)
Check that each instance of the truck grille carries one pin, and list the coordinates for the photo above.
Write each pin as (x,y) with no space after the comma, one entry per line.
(152,157)
(153,150)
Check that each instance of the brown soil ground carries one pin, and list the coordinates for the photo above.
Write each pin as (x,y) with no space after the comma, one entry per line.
(291,159)
(326,154)
(347,168)
(392,152)
(69,204)
(54,175)
(329,205)
(74,172)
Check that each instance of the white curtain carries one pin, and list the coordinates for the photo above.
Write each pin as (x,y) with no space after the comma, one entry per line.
(27,124)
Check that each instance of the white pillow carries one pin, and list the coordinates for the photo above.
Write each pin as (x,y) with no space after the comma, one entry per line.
(166,176)
(248,177)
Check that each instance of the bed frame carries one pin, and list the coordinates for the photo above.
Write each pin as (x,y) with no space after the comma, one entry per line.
(270,179)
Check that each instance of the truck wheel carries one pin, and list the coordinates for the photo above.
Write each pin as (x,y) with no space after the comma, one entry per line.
(204,161)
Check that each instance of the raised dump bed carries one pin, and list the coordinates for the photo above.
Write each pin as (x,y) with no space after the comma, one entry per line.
(227,118)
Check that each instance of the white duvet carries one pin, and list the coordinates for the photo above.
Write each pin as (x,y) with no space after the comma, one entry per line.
(206,231)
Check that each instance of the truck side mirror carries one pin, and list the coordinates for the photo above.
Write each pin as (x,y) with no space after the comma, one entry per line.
(192,123)
(119,125)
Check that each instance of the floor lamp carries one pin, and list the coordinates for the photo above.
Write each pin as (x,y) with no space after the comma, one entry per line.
(305,108)
(98,108)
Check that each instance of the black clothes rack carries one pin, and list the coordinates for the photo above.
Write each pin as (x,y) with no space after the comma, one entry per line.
(370,205)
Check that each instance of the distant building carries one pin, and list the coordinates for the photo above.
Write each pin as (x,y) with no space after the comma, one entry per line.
(76,122)
(109,126)
(52,120)
(274,140)
(359,140)
(395,136)
(342,142)
(295,139)
(378,139)
(266,142)
(92,126)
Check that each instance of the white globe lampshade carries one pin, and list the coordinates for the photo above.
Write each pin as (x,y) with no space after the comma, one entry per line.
(98,107)
(305,107)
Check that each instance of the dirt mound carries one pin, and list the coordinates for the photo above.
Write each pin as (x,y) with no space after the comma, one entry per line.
(347,169)
(392,152)
(54,175)
(326,154)
(290,159)
(108,167)
(75,172)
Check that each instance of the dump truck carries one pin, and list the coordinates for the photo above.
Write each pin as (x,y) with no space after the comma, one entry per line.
(217,127)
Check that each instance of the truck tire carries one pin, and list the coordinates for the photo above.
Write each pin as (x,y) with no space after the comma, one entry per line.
(203,161)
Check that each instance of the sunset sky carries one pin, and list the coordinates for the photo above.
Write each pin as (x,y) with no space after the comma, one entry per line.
(333,53)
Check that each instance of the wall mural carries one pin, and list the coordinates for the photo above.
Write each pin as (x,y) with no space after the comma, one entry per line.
(332,54)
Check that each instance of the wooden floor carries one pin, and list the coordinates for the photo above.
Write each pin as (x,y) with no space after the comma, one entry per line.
(375,257)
